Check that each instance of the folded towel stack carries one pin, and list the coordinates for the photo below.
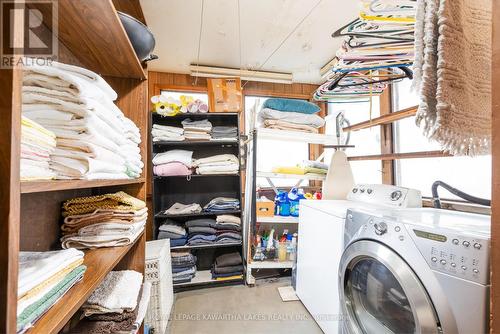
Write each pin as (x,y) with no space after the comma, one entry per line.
(197,130)
(118,305)
(183,267)
(217,164)
(183,209)
(94,138)
(306,167)
(173,163)
(37,144)
(222,204)
(228,266)
(44,277)
(228,229)
(291,115)
(224,133)
(173,231)
(103,221)
(167,133)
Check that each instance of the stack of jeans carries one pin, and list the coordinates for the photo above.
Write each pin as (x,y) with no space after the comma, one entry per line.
(201,231)
(222,204)
(228,266)
(183,267)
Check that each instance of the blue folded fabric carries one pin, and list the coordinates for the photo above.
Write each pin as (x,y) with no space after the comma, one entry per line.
(178,242)
(292,105)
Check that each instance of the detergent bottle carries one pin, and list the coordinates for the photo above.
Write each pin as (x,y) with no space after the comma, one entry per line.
(281,204)
(294,196)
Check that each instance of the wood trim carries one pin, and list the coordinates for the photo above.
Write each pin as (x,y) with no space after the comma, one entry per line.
(495,196)
(385,119)
(266,93)
(400,156)
(179,88)
(386,138)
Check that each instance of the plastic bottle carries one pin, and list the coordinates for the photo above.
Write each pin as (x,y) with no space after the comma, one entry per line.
(294,197)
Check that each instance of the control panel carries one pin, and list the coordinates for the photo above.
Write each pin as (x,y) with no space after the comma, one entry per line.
(456,255)
(386,195)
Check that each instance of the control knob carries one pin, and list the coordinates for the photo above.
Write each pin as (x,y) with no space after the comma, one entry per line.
(396,195)
(380,228)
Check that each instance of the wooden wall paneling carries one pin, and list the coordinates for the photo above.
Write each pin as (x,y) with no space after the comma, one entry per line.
(386,138)
(495,196)
(10,132)
(134,259)
(130,7)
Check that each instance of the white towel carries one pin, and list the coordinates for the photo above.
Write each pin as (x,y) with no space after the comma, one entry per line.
(292,117)
(167,128)
(36,267)
(78,168)
(182,156)
(110,228)
(118,292)
(216,158)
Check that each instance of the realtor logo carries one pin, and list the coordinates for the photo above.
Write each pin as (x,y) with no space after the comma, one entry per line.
(28,28)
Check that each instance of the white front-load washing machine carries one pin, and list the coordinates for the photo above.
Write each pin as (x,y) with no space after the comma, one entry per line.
(415,271)
(320,245)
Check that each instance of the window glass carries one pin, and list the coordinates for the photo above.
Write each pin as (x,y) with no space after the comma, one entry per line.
(471,175)
(366,142)
(274,153)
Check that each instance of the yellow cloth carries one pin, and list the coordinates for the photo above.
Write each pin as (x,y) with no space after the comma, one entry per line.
(53,279)
(119,201)
(289,170)
(37,134)
(32,124)
(229,278)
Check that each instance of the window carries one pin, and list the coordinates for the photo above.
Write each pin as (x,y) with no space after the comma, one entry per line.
(471,175)
(367,141)
(273,153)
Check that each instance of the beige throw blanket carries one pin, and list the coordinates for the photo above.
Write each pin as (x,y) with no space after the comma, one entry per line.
(452,73)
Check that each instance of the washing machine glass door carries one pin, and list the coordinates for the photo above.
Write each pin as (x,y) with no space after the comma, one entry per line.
(380,293)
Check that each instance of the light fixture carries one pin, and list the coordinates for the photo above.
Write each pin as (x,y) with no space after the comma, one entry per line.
(249,75)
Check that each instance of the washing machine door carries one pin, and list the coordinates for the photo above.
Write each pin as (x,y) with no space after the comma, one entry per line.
(380,293)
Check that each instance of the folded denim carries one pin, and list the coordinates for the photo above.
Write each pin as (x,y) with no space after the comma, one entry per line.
(178,242)
(189,271)
(176,270)
(201,222)
(202,236)
(229,235)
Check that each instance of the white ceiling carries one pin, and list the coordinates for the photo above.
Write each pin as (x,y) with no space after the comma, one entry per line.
(264,25)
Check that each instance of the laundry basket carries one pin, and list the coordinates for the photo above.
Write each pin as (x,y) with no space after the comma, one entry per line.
(159,274)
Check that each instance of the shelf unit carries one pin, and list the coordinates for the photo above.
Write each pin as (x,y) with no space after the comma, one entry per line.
(31,211)
(200,189)
(281,135)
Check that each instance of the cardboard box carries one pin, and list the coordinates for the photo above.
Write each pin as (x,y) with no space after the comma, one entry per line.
(225,95)
(265,209)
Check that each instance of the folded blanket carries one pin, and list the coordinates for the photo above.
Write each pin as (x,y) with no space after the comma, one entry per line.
(221,204)
(172,169)
(117,293)
(179,269)
(291,105)
(182,258)
(201,222)
(292,117)
(228,269)
(166,128)
(287,126)
(189,271)
(201,229)
(170,235)
(200,238)
(73,223)
(110,228)
(37,267)
(228,219)
(229,235)
(224,158)
(180,209)
(229,227)
(182,156)
(33,312)
(119,201)
(173,242)
(102,240)
(78,168)
(222,169)
(190,135)
(201,125)
(228,259)
(170,226)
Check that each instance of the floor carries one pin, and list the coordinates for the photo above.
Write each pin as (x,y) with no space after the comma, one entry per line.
(240,309)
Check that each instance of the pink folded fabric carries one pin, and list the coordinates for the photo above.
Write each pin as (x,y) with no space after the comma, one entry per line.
(171,169)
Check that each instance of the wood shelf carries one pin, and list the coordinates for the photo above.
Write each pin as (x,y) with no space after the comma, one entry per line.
(105,47)
(99,263)
(400,156)
(28,187)
(382,120)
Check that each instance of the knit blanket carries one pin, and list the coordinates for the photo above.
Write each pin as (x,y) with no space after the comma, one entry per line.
(452,73)
(119,201)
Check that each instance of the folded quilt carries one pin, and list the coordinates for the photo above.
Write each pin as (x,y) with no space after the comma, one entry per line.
(117,293)
(37,267)
(102,240)
(291,117)
(287,126)
(228,259)
(172,169)
(119,201)
(291,105)
(221,158)
(34,311)
(228,219)
(180,209)
(182,156)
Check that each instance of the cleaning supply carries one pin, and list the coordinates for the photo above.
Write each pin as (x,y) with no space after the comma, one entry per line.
(281,204)
(294,197)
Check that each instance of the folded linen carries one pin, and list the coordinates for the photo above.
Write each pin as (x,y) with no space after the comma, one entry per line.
(201,222)
(291,105)
(166,128)
(172,169)
(37,267)
(201,229)
(117,293)
(201,125)
(216,159)
(218,170)
(229,227)
(222,204)
(228,219)
(170,235)
(314,164)
(34,311)
(292,117)
(171,226)
(287,126)
(182,156)
(180,209)
(119,201)
(197,239)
